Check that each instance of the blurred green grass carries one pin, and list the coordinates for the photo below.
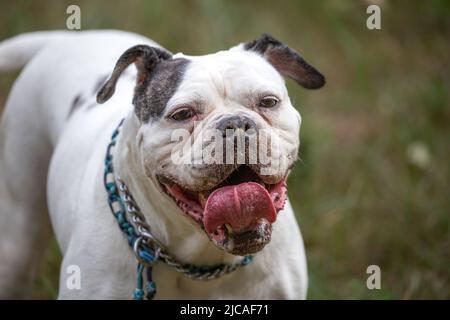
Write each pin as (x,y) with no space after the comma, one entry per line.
(372,186)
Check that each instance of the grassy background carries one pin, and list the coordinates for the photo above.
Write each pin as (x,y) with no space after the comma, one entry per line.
(373,183)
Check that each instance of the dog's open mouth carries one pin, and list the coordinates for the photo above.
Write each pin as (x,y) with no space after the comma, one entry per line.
(238,213)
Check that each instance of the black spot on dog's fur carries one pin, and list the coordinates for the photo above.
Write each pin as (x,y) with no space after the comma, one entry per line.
(76,103)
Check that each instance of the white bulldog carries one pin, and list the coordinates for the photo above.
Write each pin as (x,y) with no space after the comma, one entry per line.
(54,135)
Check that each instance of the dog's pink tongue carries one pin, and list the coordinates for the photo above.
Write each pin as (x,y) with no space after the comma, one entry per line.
(239,206)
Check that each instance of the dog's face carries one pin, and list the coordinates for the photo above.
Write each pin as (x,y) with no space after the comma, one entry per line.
(219,134)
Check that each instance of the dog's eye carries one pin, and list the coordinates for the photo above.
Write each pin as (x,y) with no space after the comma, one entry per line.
(182,114)
(268,102)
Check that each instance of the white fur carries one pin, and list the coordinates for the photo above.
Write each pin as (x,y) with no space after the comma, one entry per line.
(42,149)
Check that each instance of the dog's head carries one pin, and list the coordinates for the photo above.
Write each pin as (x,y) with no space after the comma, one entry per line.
(218,133)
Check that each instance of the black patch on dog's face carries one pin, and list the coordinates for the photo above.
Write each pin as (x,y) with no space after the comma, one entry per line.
(158,77)
(151,96)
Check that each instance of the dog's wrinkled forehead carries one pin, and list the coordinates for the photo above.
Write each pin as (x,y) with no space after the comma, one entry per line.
(231,75)
(165,78)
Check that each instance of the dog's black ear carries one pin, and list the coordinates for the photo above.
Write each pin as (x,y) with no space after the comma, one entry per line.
(145,58)
(287,61)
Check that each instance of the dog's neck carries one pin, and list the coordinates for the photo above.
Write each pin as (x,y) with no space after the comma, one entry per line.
(184,240)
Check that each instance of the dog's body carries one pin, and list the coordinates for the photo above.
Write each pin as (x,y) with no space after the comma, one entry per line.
(53,141)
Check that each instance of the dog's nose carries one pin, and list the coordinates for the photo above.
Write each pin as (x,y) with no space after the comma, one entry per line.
(235,122)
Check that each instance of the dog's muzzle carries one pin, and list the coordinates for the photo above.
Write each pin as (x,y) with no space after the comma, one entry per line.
(238,213)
